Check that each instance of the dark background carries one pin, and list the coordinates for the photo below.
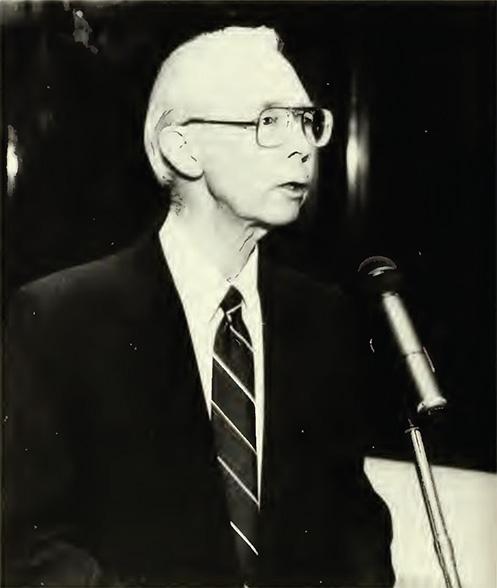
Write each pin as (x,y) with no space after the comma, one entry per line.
(418,80)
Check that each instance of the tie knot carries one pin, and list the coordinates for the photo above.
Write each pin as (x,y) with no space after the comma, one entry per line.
(232,301)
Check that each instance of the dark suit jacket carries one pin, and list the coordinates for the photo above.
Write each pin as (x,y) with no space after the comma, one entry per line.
(110,474)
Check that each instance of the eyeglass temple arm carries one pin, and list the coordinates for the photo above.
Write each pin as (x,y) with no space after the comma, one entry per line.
(219,122)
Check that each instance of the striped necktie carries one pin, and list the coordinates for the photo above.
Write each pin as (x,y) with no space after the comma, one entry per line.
(233,418)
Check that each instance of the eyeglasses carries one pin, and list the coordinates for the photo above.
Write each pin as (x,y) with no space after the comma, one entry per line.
(274,125)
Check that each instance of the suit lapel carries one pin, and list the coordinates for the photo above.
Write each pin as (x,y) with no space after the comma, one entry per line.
(171,346)
(278,378)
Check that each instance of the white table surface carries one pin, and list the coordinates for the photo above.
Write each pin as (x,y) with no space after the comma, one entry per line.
(469,504)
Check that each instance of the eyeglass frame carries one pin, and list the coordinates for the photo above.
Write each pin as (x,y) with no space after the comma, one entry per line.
(300,110)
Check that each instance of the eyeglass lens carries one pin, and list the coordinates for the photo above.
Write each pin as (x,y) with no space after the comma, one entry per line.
(275,124)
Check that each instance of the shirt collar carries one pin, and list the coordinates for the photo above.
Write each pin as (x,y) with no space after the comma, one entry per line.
(200,284)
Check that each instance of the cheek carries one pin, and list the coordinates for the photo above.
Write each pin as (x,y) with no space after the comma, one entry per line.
(234,168)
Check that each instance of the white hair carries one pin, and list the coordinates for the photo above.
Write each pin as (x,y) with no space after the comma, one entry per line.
(178,78)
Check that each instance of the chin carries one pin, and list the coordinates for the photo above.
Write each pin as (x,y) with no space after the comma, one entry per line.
(282,215)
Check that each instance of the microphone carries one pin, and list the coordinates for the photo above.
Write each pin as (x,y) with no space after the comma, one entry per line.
(381,279)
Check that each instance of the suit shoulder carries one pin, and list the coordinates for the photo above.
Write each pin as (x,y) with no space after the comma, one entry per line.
(103,269)
(312,310)
(303,289)
(73,287)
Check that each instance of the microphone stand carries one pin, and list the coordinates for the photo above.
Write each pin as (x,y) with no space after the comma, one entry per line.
(441,540)
(421,373)
(380,278)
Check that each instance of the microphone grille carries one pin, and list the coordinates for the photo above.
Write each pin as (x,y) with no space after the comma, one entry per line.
(375,265)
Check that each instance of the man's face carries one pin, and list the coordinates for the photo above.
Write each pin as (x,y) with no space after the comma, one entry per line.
(265,186)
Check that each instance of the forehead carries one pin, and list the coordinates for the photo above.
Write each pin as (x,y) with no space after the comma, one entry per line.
(241,83)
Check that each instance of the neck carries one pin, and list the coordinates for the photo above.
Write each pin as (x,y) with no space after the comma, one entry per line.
(226,240)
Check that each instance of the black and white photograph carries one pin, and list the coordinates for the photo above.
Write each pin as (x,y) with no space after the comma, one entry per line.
(248,294)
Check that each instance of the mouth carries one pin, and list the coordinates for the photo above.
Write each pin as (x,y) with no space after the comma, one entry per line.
(295,188)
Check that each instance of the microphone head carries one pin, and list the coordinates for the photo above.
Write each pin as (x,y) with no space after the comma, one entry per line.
(378,274)
(375,265)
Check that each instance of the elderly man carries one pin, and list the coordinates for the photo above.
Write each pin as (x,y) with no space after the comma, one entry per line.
(183,412)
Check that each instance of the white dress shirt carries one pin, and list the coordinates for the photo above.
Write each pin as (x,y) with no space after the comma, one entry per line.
(201,288)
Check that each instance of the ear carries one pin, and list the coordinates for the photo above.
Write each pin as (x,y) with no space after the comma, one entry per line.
(178,152)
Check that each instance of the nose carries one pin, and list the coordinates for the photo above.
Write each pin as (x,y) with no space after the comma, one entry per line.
(304,158)
(301,148)
(298,146)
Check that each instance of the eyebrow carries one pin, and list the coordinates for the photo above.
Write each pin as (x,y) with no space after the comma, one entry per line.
(271,104)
